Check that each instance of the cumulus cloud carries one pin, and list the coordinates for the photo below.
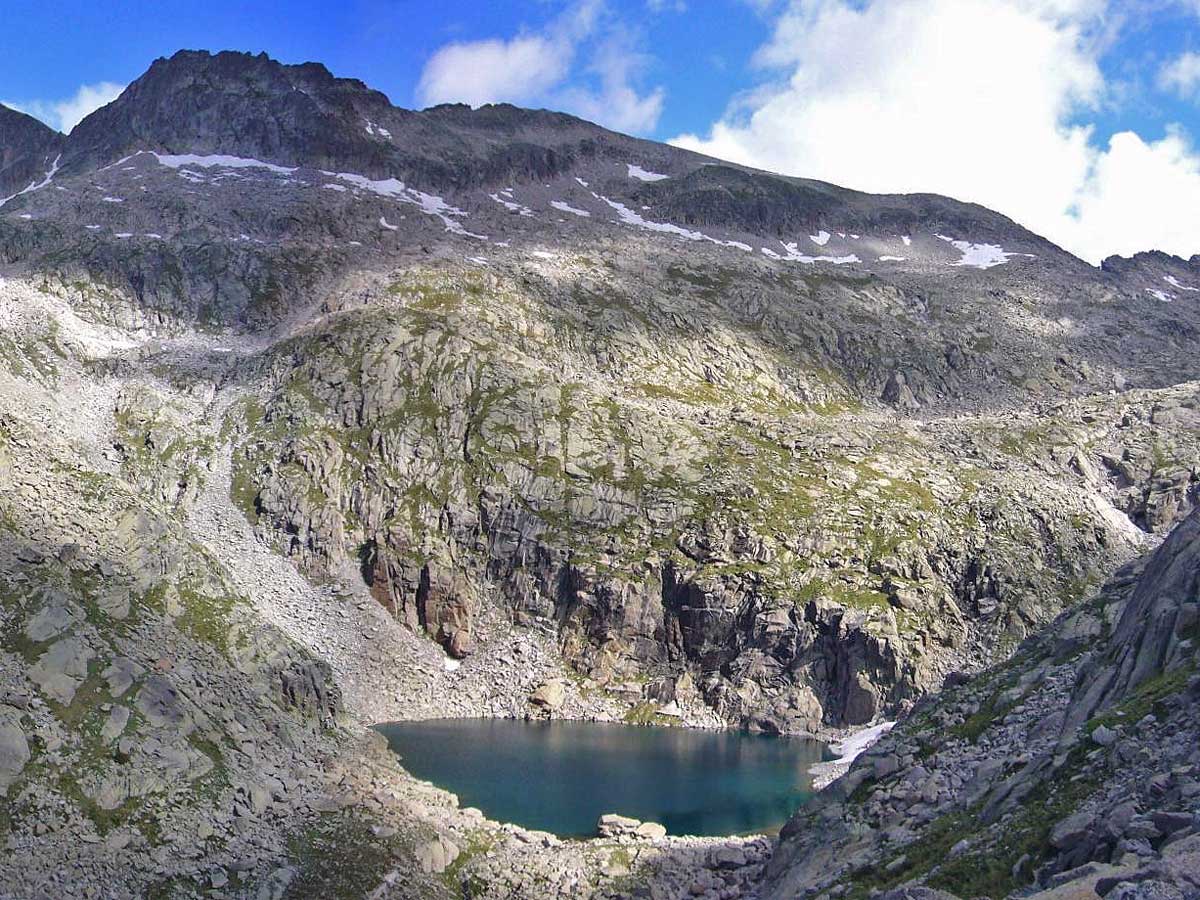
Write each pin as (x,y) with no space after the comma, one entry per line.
(616,103)
(983,100)
(482,72)
(584,62)
(1181,75)
(64,115)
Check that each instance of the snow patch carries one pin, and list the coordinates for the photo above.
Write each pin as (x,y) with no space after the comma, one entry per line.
(384,223)
(429,204)
(629,217)
(562,206)
(511,205)
(892,258)
(643,174)
(1174,282)
(907,240)
(582,183)
(340,188)
(451,665)
(848,750)
(792,254)
(1118,521)
(1160,295)
(114,199)
(979,256)
(821,238)
(374,130)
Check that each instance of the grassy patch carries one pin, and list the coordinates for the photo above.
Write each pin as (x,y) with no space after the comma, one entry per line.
(645,713)
(341,858)
(1145,699)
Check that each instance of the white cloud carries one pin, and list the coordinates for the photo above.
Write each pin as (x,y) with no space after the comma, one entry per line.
(64,115)
(1181,75)
(480,72)
(542,68)
(616,103)
(977,99)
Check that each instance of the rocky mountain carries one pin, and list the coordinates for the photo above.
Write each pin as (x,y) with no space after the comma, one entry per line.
(318,412)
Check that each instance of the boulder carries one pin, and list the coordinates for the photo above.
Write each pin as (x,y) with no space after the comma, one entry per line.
(14,752)
(61,669)
(898,393)
(613,825)
(730,857)
(651,831)
(437,855)
(549,695)
(460,644)
(1071,831)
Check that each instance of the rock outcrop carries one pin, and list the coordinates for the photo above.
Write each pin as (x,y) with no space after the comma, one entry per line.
(1070,771)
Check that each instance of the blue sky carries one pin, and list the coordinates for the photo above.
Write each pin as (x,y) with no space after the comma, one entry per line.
(384,42)
(1079,118)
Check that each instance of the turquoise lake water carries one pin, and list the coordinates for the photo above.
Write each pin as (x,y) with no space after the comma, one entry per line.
(562,776)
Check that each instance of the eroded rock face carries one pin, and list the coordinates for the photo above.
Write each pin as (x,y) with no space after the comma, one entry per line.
(802,574)
(1159,628)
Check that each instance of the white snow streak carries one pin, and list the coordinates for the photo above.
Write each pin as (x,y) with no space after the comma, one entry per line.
(629,217)
(792,254)
(821,238)
(510,204)
(562,206)
(35,185)
(1174,282)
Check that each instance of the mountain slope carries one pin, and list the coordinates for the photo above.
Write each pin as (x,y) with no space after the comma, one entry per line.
(467,409)
(28,150)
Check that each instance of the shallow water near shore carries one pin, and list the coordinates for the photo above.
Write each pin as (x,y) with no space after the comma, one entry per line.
(562,776)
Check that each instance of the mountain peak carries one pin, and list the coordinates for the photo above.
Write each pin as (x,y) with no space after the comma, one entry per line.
(237,104)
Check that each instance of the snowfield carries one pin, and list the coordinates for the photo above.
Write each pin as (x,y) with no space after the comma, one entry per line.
(979,256)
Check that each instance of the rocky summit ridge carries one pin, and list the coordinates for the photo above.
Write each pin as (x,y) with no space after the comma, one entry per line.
(317,412)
